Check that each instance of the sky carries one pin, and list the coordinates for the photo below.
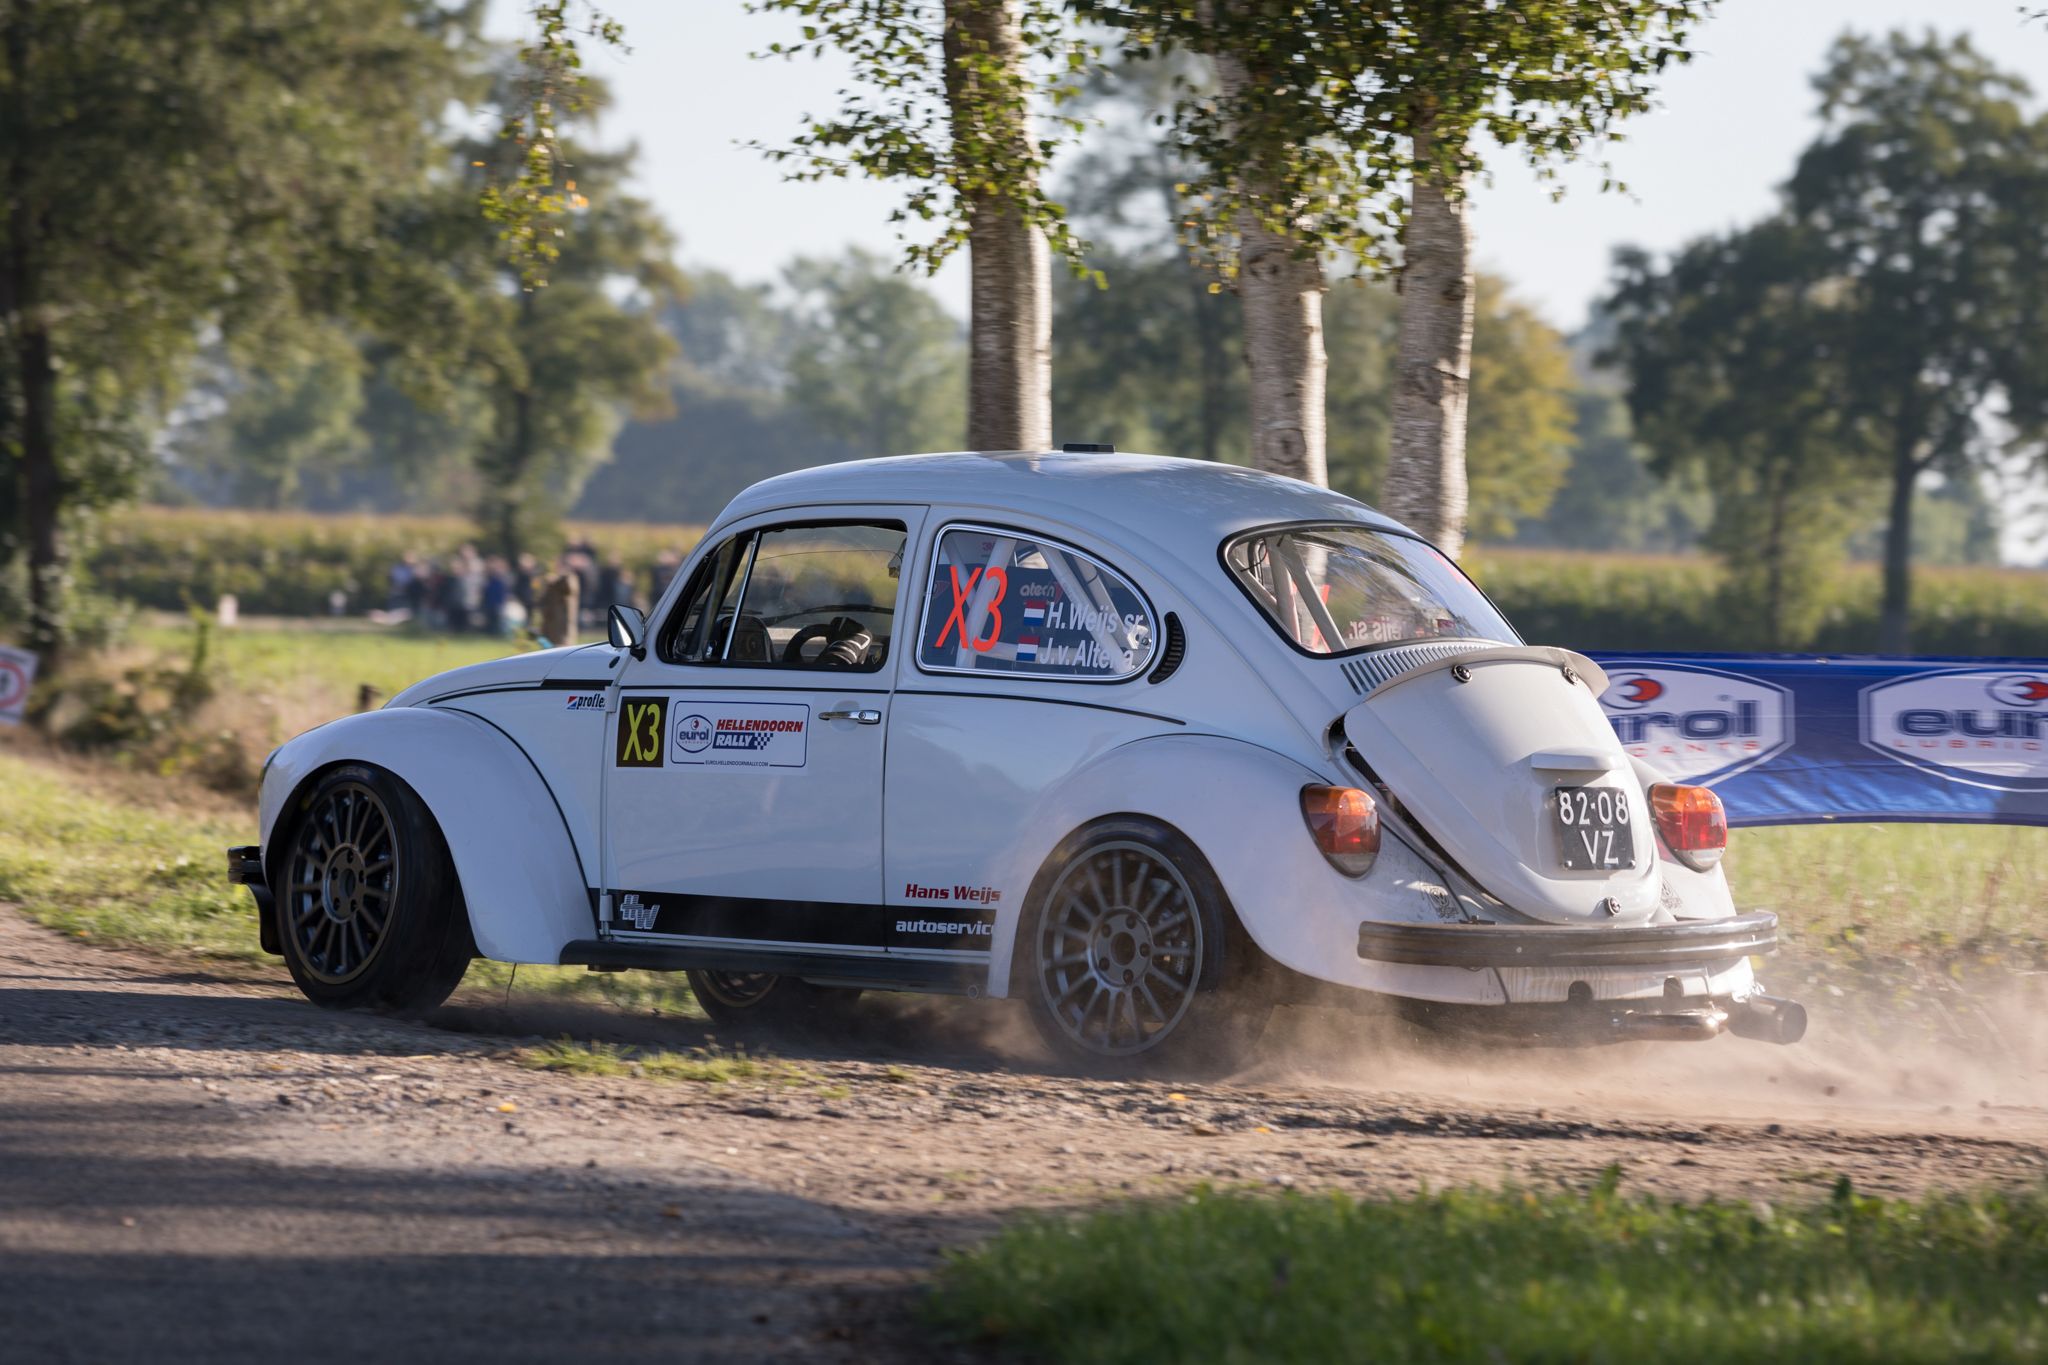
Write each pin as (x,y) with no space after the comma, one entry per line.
(1727,131)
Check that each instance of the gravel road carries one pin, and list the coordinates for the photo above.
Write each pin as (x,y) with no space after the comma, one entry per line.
(194,1167)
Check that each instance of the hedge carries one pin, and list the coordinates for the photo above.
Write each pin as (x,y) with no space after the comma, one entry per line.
(1593,601)
(288,564)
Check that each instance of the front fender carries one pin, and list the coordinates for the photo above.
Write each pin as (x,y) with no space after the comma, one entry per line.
(520,873)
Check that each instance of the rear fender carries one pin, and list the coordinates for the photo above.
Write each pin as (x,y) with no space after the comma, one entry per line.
(1238,803)
(520,873)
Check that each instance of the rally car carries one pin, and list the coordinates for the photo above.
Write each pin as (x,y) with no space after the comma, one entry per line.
(1166,742)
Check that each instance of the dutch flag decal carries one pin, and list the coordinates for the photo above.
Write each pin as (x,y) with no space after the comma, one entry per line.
(1034,614)
(1027,648)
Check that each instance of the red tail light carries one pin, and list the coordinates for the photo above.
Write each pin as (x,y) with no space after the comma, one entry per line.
(1345,823)
(1691,822)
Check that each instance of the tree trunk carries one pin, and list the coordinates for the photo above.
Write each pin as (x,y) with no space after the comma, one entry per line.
(40,494)
(1281,289)
(1894,628)
(41,490)
(1425,484)
(1009,333)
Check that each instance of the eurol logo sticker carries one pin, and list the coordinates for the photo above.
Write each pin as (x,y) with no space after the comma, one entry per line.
(1984,726)
(1696,724)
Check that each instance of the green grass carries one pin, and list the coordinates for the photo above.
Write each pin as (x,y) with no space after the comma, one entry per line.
(701,1066)
(1508,1275)
(94,865)
(114,858)
(1979,891)
(273,660)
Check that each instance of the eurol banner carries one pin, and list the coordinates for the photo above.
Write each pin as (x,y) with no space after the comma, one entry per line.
(1799,739)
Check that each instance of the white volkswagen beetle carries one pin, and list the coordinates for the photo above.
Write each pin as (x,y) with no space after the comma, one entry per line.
(1152,743)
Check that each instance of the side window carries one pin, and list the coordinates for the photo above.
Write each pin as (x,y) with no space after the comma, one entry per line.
(793,597)
(1001,602)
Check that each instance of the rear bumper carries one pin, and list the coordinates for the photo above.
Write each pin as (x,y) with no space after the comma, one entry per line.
(1688,943)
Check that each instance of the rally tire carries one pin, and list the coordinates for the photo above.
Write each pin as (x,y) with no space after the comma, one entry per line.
(1133,959)
(367,907)
(765,1000)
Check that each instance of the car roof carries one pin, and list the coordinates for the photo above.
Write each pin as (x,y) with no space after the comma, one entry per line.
(1175,502)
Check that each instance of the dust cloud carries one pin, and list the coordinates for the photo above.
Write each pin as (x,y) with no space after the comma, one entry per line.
(1965,1064)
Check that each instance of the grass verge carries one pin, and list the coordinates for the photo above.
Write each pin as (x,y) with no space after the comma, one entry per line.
(130,860)
(1511,1275)
(88,862)
(701,1065)
(1979,889)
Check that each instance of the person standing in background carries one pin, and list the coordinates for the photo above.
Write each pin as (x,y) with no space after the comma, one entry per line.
(664,571)
(559,595)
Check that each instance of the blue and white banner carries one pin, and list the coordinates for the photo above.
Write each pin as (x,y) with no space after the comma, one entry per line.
(1799,739)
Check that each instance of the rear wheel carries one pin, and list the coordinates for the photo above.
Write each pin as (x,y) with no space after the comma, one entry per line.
(369,913)
(742,998)
(1136,956)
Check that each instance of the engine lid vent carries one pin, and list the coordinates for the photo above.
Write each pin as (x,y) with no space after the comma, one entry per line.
(1368,671)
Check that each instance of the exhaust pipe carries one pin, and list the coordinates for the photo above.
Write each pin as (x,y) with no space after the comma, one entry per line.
(1675,1026)
(1768,1019)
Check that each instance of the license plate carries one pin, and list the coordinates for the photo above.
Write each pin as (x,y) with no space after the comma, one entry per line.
(1593,829)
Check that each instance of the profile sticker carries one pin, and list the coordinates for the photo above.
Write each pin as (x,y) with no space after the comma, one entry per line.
(643,725)
(742,735)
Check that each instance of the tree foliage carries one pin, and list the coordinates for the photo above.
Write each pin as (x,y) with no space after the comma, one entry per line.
(532,199)
(1880,330)
(939,122)
(1315,144)
(876,363)
(171,171)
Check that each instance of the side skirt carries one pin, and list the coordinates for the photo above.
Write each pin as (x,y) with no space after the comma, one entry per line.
(833,969)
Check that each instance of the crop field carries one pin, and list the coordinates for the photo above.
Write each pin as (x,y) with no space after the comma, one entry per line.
(293,564)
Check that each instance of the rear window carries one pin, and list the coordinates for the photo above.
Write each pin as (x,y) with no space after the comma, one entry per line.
(1004,602)
(1341,589)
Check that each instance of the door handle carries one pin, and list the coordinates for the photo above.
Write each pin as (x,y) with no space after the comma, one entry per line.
(862,717)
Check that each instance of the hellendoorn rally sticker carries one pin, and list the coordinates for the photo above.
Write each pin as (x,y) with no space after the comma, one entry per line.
(758,735)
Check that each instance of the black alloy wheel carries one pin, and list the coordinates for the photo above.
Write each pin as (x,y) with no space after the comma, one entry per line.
(368,909)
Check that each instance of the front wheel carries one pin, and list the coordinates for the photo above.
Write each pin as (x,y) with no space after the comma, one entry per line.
(369,913)
(1137,956)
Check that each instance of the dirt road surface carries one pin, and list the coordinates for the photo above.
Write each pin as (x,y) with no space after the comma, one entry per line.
(196,1168)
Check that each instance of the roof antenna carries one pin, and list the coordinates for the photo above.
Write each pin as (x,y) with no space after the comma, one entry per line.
(1087,448)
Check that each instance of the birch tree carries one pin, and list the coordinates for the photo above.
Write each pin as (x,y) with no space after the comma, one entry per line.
(942,99)
(1550,77)
(1324,110)
(1290,172)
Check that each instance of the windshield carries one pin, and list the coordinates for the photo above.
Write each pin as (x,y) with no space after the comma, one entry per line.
(1338,589)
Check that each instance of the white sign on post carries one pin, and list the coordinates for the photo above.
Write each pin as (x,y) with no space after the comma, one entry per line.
(17,671)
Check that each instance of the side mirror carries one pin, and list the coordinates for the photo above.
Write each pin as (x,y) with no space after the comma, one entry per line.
(627,627)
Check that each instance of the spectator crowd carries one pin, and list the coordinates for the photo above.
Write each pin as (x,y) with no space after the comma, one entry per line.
(472,593)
